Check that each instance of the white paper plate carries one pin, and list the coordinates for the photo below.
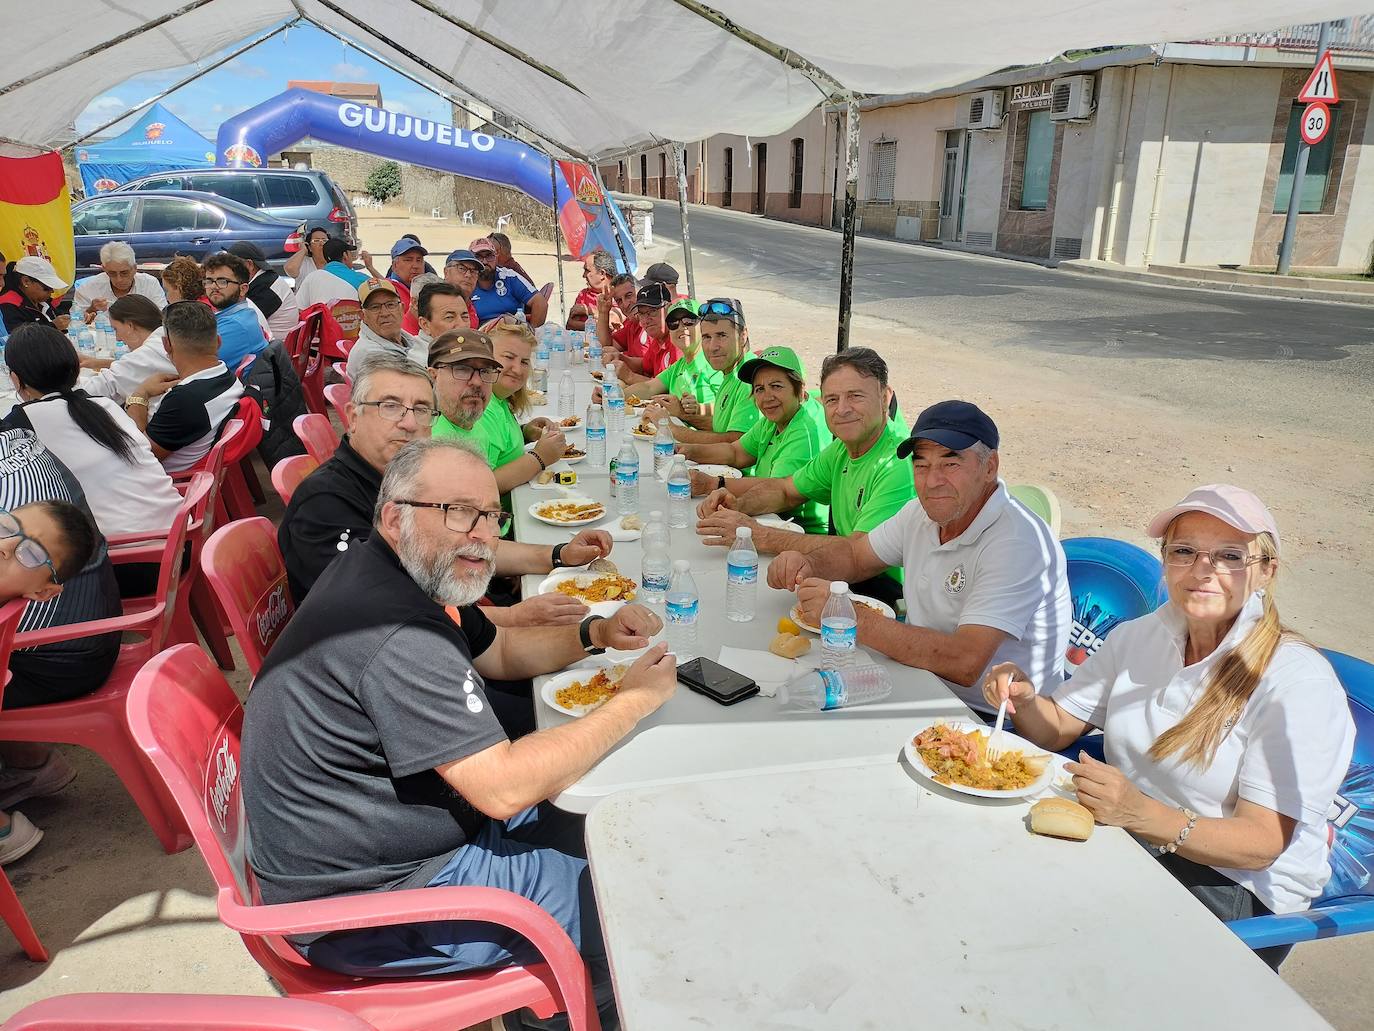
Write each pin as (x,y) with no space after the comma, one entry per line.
(599,608)
(535,506)
(574,460)
(883,607)
(777,522)
(1013,743)
(642,436)
(549,692)
(728,471)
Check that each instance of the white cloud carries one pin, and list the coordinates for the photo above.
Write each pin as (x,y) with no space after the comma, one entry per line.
(248,71)
(99,111)
(346,71)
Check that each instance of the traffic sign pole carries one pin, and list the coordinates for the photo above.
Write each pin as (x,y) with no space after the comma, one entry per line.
(1290,222)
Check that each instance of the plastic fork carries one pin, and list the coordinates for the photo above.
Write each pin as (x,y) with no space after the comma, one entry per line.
(996,739)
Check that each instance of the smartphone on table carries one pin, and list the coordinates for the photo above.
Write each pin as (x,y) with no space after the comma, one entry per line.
(717,683)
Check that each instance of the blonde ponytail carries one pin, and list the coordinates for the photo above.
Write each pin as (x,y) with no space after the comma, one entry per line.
(1196,737)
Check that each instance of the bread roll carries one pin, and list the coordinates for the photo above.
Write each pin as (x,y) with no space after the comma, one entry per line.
(789,646)
(1061,818)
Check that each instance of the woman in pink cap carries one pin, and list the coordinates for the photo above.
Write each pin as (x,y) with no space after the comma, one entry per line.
(1226,734)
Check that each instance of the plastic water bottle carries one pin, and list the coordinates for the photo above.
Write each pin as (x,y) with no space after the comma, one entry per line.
(741,577)
(121,349)
(663,447)
(576,341)
(539,368)
(104,332)
(824,689)
(567,399)
(614,399)
(839,628)
(596,436)
(594,352)
(559,348)
(85,340)
(627,479)
(656,569)
(679,493)
(681,609)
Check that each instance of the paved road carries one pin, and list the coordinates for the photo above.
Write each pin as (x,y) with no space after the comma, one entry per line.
(971,298)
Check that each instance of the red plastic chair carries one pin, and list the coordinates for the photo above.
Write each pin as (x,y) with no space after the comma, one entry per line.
(238,452)
(245,569)
(288,474)
(97,721)
(337,394)
(316,432)
(92,1011)
(341,370)
(11,909)
(188,721)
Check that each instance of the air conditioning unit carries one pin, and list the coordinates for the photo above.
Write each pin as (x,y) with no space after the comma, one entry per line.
(985,109)
(1071,98)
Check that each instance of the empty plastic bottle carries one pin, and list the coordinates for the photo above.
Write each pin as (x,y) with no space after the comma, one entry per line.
(741,577)
(596,436)
(681,609)
(679,493)
(567,395)
(839,628)
(656,568)
(823,689)
(627,479)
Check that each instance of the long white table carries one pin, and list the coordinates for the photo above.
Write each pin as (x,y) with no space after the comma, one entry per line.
(692,737)
(866,898)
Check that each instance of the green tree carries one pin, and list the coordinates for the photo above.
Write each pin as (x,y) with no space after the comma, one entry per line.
(384,182)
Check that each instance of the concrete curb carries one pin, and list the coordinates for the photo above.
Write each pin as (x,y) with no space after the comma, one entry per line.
(1201,279)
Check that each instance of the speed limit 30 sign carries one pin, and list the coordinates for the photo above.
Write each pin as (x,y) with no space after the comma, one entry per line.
(1316,121)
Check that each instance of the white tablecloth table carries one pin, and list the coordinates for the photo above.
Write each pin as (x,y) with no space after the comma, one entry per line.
(864,898)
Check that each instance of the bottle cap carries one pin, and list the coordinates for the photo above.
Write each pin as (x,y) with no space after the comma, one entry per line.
(745,532)
(839,587)
(680,565)
(655,515)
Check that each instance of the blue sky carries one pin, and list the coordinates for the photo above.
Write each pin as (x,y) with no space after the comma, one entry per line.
(302,52)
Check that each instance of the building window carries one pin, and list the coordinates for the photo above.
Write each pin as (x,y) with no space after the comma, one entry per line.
(620,175)
(1035,173)
(1314,183)
(794,194)
(644,174)
(728,190)
(663,175)
(882,171)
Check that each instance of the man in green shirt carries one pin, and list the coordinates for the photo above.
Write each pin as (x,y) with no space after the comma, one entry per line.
(858,475)
(791,433)
(463,369)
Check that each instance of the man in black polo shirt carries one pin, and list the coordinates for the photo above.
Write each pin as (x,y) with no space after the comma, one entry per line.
(372,760)
(200,397)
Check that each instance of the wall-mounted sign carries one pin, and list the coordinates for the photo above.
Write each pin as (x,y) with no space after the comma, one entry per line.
(1031,95)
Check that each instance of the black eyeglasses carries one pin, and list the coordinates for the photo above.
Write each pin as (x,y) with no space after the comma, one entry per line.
(465,373)
(678,321)
(464,518)
(28,551)
(217,281)
(394,411)
(726,306)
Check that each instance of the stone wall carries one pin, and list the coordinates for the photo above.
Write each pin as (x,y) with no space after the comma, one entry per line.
(424,189)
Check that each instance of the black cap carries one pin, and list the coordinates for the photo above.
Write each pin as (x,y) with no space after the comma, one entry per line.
(248,249)
(661,272)
(955,424)
(653,295)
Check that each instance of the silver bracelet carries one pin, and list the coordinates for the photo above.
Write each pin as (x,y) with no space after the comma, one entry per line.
(1177,843)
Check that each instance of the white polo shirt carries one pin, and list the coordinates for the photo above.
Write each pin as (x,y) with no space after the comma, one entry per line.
(97,288)
(1288,750)
(1005,571)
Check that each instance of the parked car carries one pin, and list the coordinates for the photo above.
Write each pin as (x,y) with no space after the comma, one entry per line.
(159,226)
(305,195)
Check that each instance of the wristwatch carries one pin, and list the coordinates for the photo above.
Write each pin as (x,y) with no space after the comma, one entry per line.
(720,483)
(556,557)
(584,634)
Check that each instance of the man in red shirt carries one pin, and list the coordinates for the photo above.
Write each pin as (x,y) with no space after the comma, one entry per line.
(504,257)
(597,270)
(461,268)
(407,262)
(651,304)
(622,337)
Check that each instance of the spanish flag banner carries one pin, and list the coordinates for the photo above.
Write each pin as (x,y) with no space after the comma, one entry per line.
(36,212)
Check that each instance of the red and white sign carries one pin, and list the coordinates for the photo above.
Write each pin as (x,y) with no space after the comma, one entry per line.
(1320,87)
(1316,121)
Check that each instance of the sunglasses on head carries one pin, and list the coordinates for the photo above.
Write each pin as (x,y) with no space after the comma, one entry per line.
(28,551)
(726,306)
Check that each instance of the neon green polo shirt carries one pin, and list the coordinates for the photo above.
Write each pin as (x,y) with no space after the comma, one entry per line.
(694,373)
(863,491)
(735,409)
(445,429)
(500,432)
(780,454)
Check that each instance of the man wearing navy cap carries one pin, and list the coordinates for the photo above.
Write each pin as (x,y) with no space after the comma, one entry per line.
(407,262)
(461,269)
(499,291)
(985,579)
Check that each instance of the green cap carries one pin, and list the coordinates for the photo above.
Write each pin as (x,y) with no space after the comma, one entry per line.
(687,304)
(783,358)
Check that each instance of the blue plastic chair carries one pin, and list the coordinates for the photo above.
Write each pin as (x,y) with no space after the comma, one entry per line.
(1111,582)
(1347,905)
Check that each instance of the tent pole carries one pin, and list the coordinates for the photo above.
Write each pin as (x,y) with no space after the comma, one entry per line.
(1290,218)
(615,229)
(177,85)
(682,211)
(557,239)
(123,37)
(851,200)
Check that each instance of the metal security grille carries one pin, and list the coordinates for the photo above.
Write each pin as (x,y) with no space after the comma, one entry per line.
(1068,248)
(882,171)
(978,239)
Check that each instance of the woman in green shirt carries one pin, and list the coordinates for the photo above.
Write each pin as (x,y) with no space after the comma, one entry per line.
(791,433)
(499,427)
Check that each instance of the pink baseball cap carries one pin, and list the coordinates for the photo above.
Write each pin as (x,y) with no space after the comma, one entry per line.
(1234,506)
(482,243)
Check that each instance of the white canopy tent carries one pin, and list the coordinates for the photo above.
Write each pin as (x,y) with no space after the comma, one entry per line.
(595,78)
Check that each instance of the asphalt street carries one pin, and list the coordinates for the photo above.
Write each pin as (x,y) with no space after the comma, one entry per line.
(974,298)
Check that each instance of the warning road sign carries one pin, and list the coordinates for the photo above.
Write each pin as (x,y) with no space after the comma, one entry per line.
(1320,87)
(1316,121)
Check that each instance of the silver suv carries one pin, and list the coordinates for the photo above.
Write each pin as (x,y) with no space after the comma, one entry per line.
(306,196)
